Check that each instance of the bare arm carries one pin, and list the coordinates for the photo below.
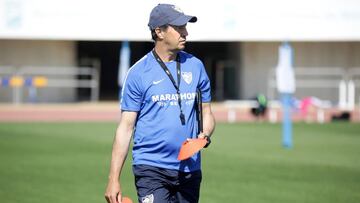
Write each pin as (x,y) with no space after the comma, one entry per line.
(119,153)
(208,121)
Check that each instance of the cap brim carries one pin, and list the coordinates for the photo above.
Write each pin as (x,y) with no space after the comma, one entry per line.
(182,20)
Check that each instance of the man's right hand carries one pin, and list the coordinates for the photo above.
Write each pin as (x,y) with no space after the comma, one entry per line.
(113,192)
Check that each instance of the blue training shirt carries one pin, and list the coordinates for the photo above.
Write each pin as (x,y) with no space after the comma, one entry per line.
(159,133)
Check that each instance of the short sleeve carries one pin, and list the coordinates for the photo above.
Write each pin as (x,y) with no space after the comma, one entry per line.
(131,95)
(204,85)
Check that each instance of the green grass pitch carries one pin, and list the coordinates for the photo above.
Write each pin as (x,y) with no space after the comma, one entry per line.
(69,162)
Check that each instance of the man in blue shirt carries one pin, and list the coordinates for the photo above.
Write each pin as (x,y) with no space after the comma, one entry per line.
(159,110)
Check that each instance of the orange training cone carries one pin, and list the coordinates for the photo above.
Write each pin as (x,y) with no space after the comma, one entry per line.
(190,147)
(126,200)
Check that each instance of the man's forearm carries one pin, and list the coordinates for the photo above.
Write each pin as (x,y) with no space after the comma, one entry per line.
(209,124)
(120,151)
(208,119)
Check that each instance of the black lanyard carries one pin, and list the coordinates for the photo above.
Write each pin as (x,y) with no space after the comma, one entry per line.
(177,86)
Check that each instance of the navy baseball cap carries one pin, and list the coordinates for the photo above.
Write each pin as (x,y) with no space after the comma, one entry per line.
(167,14)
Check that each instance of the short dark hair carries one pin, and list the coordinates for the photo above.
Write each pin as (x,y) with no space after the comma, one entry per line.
(153,33)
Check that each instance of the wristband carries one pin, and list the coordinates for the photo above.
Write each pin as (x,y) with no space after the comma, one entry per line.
(208,140)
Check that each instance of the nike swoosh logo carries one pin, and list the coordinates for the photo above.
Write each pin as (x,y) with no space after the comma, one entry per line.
(157,82)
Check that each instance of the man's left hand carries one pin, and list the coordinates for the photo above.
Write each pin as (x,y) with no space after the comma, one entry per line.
(207,137)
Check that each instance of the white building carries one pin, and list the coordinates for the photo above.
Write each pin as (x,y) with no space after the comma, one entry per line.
(236,39)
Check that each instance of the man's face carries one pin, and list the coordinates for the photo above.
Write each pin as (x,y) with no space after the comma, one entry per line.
(175,37)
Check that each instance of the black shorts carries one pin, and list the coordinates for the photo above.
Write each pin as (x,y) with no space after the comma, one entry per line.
(158,185)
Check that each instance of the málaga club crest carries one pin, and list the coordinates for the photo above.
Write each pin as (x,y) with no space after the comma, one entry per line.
(187,76)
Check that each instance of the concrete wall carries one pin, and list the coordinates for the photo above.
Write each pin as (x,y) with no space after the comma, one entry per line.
(257,58)
(327,54)
(19,53)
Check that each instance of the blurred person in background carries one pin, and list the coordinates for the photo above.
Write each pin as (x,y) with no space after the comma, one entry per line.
(158,110)
(259,111)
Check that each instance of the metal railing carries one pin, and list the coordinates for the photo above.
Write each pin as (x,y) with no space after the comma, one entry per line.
(53,77)
(353,86)
(343,81)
